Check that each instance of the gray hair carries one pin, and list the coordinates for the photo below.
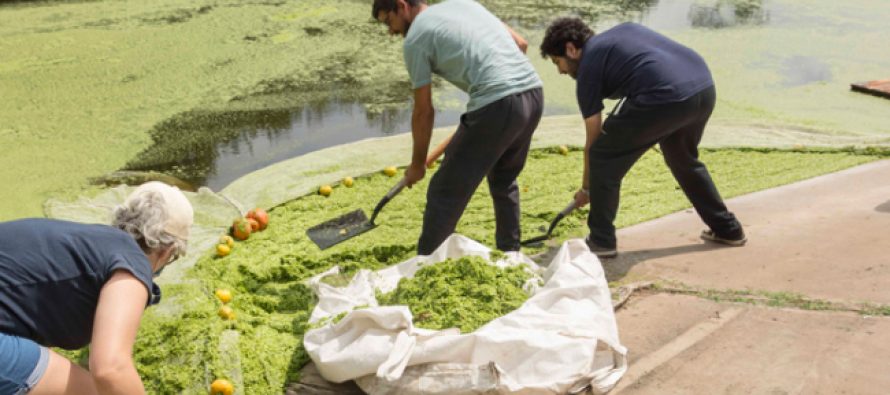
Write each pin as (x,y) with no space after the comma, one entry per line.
(144,217)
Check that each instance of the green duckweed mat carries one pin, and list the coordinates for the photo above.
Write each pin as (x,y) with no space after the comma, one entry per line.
(86,83)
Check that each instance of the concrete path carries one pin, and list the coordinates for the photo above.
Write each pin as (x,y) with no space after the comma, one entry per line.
(825,239)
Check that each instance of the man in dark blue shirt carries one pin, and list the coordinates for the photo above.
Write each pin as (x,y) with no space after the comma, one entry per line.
(667,96)
(66,284)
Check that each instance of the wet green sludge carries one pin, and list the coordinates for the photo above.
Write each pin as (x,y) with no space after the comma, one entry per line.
(266,273)
(463,293)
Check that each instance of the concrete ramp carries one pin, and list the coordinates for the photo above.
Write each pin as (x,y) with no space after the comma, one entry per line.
(817,253)
(826,238)
(688,345)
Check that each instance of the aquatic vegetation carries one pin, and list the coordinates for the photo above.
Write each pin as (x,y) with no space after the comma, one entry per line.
(181,350)
(87,91)
(463,293)
(135,94)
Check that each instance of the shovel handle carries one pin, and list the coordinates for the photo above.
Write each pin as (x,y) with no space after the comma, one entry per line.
(396,189)
(559,217)
(438,151)
(389,195)
(571,207)
(568,209)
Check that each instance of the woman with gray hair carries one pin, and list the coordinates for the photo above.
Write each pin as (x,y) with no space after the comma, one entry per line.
(68,285)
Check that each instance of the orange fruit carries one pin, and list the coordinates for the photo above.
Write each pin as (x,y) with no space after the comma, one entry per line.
(254,225)
(227,240)
(348,181)
(325,190)
(390,171)
(222,387)
(226,313)
(224,295)
(241,229)
(261,216)
(223,250)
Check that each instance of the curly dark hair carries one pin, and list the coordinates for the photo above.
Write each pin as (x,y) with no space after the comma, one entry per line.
(390,5)
(562,31)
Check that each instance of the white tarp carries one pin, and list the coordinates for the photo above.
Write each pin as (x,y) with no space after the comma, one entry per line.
(563,339)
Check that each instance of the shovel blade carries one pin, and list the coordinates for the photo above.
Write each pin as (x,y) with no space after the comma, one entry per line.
(334,231)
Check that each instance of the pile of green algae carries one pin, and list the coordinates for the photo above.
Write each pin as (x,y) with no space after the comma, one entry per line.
(182,350)
(463,293)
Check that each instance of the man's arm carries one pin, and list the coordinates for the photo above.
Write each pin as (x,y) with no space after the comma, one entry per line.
(421,132)
(121,303)
(523,45)
(594,127)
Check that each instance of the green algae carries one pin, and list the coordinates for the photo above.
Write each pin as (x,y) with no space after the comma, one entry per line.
(463,293)
(267,273)
(792,71)
(87,84)
(84,83)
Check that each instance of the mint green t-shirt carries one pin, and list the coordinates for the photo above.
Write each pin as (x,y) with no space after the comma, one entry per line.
(471,48)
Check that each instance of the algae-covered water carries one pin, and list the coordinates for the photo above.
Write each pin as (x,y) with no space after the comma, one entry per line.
(211,89)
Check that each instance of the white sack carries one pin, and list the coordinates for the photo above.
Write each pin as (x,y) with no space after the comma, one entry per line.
(546,346)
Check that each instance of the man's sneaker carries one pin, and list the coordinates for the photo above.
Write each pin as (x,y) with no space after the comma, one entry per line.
(601,252)
(711,236)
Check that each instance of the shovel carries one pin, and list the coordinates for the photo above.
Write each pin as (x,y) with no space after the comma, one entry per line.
(537,241)
(349,225)
(354,223)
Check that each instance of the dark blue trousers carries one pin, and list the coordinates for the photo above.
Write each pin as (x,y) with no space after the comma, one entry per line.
(491,142)
(631,130)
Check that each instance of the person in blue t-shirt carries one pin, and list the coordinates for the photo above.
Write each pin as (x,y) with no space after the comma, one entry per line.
(68,285)
(667,96)
(468,46)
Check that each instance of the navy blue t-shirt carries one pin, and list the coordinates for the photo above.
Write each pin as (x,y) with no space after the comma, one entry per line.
(633,61)
(51,273)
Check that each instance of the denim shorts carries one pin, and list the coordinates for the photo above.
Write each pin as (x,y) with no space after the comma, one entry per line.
(24,363)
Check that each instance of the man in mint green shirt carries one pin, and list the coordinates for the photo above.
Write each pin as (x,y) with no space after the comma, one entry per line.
(468,46)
